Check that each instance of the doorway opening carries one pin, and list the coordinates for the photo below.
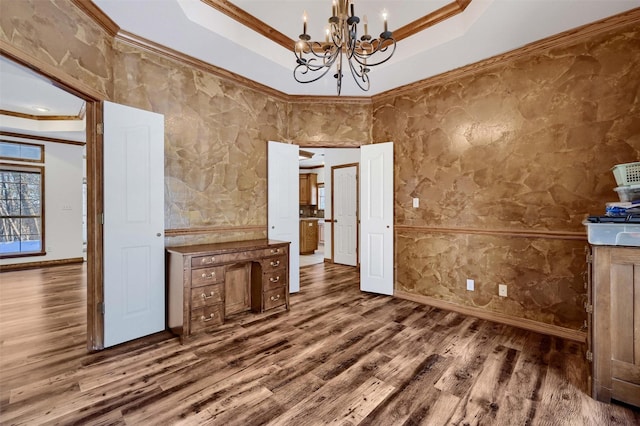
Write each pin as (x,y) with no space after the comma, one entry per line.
(93,165)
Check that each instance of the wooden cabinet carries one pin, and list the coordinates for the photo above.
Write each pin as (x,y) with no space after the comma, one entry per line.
(308,236)
(615,324)
(320,232)
(209,282)
(309,189)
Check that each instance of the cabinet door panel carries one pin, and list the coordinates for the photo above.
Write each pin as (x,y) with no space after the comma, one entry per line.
(622,312)
(237,282)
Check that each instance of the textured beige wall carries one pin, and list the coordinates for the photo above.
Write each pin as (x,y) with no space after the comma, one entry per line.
(330,124)
(57,33)
(216,137)
(525,146)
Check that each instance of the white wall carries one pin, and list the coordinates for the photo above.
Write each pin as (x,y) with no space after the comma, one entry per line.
(63,173)
(334,157)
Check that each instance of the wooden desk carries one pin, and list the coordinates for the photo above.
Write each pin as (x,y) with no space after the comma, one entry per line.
(209,282)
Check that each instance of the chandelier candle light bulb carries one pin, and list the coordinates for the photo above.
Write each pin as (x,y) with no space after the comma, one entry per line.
(314,59)
(384,16)
(304,25)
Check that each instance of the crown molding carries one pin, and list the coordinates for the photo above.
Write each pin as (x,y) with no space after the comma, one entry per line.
(168,53)
(98,16)
(445,12)
(40,117)
(250,21)
(41,138)
(559,40)
(562,39)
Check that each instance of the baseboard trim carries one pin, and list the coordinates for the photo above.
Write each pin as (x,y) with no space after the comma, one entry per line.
(527,324)
(40,264)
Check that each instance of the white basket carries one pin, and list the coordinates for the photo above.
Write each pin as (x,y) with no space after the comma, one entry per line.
(628,193)
(627,174)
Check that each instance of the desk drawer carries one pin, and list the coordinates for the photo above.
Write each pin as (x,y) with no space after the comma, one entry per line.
(207,276)
(274,279)
(274,263)
(274,298)
(205,317)
(275,251)
(207,295)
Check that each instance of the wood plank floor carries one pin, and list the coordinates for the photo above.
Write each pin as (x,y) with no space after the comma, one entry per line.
(338,356)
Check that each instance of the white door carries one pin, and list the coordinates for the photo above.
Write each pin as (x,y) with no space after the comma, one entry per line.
(345,215)
(376,218)
(283,199)
(134,282)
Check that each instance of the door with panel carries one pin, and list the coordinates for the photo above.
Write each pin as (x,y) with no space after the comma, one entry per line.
(376,215)
(134,284)
(345,214)
(283,203)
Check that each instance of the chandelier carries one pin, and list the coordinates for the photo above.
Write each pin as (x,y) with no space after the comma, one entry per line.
(314,58)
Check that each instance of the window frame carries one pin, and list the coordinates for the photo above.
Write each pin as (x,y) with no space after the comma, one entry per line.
(324,196)
(25,160)
(37,169)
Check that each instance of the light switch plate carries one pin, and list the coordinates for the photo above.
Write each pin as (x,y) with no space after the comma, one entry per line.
(416,203)
(470,285)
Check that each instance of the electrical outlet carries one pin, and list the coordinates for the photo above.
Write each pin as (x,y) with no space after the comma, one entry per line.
(502,290)
(416,203)
(470,285)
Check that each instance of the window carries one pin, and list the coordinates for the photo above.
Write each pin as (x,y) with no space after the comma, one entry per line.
(321,196)
(21,210)
(21,151)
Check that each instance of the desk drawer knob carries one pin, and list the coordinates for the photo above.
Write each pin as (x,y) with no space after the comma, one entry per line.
(207,260)
(275,251)
(274,298)
(208,276)
(275,263)
(205,319)
(204,296)
(275,280)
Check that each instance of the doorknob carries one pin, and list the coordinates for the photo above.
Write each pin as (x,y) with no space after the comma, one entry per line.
(273,227)
(159,234)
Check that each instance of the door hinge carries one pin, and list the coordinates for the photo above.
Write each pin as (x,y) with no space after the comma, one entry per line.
(100,128)
(589,356)
(101,308)
(102,218)
(589,258)
(588,308)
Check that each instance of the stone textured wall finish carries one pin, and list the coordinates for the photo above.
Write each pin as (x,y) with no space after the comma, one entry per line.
(57,33)
(525,146)
(216,137)
(323,124)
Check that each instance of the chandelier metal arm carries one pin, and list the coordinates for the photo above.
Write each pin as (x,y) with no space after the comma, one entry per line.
(342,38)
